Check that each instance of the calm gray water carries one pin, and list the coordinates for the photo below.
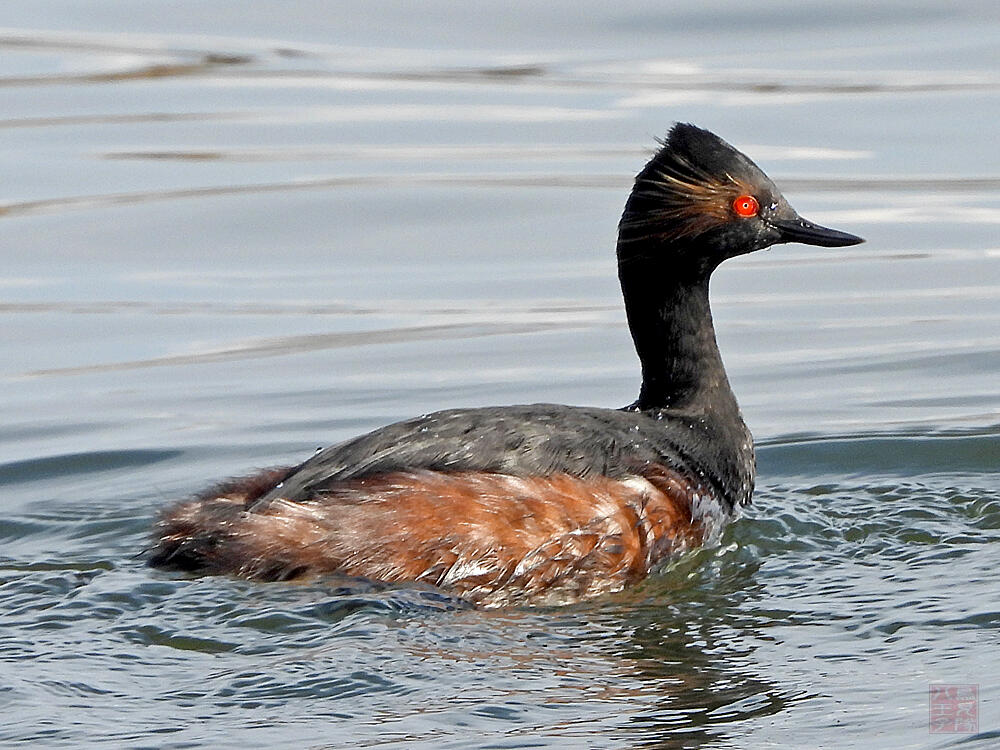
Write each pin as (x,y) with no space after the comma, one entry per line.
(232,233)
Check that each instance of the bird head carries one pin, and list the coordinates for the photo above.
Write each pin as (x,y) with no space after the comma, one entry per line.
(700,201)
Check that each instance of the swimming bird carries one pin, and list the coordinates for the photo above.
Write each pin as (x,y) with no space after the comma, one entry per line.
(540,503)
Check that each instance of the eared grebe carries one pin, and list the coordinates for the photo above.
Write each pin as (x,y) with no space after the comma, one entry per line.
(540,503)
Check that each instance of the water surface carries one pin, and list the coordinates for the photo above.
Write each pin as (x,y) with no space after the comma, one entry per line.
(233,235)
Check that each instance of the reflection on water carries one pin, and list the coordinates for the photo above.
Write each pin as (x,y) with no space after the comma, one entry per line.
(230,237)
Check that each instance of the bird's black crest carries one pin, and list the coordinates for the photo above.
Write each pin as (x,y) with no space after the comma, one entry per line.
(688,186)
(701,153)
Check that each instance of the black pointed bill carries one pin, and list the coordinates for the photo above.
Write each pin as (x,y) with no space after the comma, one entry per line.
(800,230)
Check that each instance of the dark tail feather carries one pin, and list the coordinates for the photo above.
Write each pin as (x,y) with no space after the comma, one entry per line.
(202,535)
(190,536)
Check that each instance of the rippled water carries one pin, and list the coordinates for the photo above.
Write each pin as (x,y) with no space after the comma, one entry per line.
(232,234)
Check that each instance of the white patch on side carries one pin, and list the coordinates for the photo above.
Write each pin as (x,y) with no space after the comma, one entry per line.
(640,485)
(647,490)
(468,569)
(712,515)
(526,563)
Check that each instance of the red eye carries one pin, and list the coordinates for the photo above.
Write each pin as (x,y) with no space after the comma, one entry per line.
(746,205)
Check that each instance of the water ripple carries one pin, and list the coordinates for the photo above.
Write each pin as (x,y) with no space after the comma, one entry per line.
(74,464)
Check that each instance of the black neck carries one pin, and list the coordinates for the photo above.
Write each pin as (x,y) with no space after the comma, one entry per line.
(671,323)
